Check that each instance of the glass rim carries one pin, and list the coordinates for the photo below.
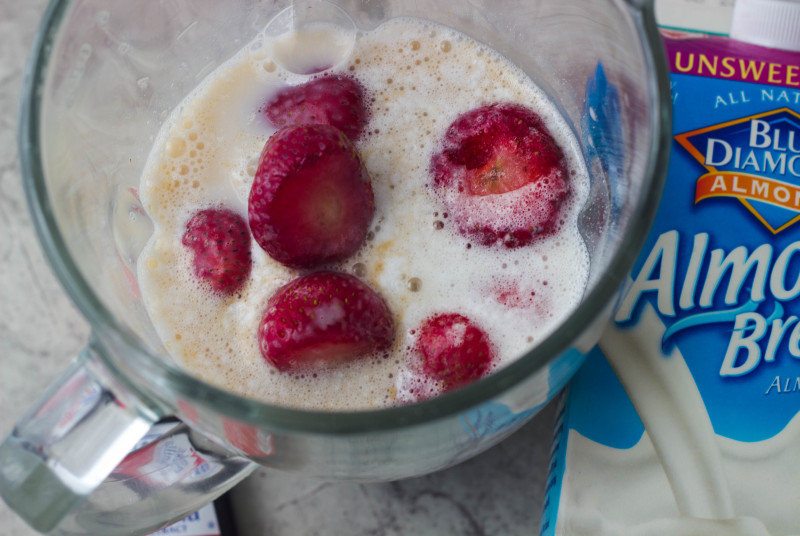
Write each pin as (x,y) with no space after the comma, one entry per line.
(175,379)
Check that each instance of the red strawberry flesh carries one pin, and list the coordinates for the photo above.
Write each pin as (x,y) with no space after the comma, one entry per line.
(453,350)
(220,244)
(311,202)
(501,175)
(321,320)
(335,100)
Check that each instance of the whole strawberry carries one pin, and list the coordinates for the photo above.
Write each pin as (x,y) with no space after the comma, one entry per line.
(501,175)
(219,241)
(335,100)
(323,319)
(311,202)
(453,350)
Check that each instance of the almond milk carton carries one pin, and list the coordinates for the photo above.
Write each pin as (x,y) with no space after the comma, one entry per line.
(686,418)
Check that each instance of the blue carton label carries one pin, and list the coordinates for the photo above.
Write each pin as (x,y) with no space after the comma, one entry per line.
(686,419)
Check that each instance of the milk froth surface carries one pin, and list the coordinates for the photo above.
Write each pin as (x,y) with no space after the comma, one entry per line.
(418,78)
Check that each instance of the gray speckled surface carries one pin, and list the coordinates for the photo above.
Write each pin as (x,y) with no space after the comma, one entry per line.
(39,328)
(499,492)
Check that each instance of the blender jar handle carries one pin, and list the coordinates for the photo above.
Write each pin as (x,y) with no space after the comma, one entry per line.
(83,427)
(67,444)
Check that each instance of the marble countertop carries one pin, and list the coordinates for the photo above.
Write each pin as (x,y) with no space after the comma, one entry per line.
(498,492)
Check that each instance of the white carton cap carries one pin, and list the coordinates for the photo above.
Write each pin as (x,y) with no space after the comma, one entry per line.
(769,23)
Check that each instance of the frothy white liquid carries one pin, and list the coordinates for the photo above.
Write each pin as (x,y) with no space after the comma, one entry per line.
(419,77)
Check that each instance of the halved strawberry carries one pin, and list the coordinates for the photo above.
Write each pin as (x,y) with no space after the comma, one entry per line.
(323,319)
(501,175)
(453,350)
(311,201)
(220,244)
(335,100)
